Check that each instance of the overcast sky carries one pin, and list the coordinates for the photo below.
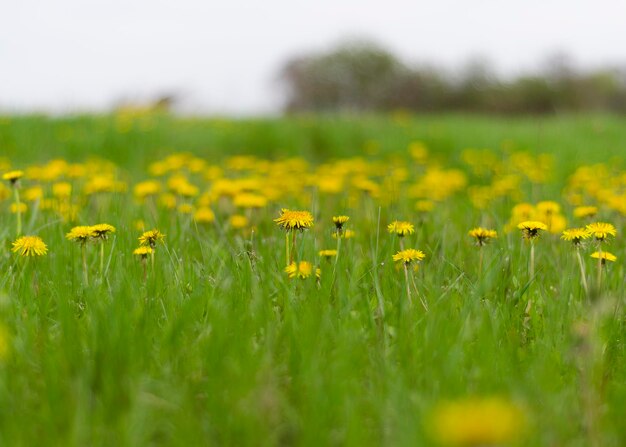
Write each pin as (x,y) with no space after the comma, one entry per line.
(223,55)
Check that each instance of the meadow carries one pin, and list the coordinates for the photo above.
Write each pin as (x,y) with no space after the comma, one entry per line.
(241,324)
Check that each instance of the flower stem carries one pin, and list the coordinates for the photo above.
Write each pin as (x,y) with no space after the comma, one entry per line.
(293,249)
(480,261)
(35,283)
(338,233)
(599,279)
(18,210)
(102,259)
(419,295)
(338,247)
(84,256)
(583,275)
(408,288)
(532,259)
(287,248)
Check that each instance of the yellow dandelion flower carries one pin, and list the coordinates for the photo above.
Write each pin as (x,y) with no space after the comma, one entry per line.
(477,421)
(185,189)
(248,200)
(62,190)
(76,171)
(584,212)
(167,200)
(345,234)
(146,189)
(300,270)
(102,231)
(522,212)
(601,231)
(339,221)
(103,184)
(143,251)
(401,228)
(531,229)
(548,207)
(150,238)
(80,234)
(408,256)
(604,256)
(204,215)
(418,151)
(30,246)
(327,253)
(482,235)
(328,184)
(33,194)
(575,235)
(556,223)
(294,220)
(237,221)
(424,206)
(18,208)
(185,208)
(13,176)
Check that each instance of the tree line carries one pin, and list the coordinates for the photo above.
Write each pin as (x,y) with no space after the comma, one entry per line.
(366,77)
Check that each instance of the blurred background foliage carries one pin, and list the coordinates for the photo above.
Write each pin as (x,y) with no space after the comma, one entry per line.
(363,76)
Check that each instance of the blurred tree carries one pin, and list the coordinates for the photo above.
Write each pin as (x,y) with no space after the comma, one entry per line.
(355,76)
(362,76)
(475,84)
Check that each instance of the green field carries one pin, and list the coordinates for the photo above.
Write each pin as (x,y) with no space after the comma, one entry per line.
(217,346)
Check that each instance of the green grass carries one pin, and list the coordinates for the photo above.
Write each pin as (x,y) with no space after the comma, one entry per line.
(220,348)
